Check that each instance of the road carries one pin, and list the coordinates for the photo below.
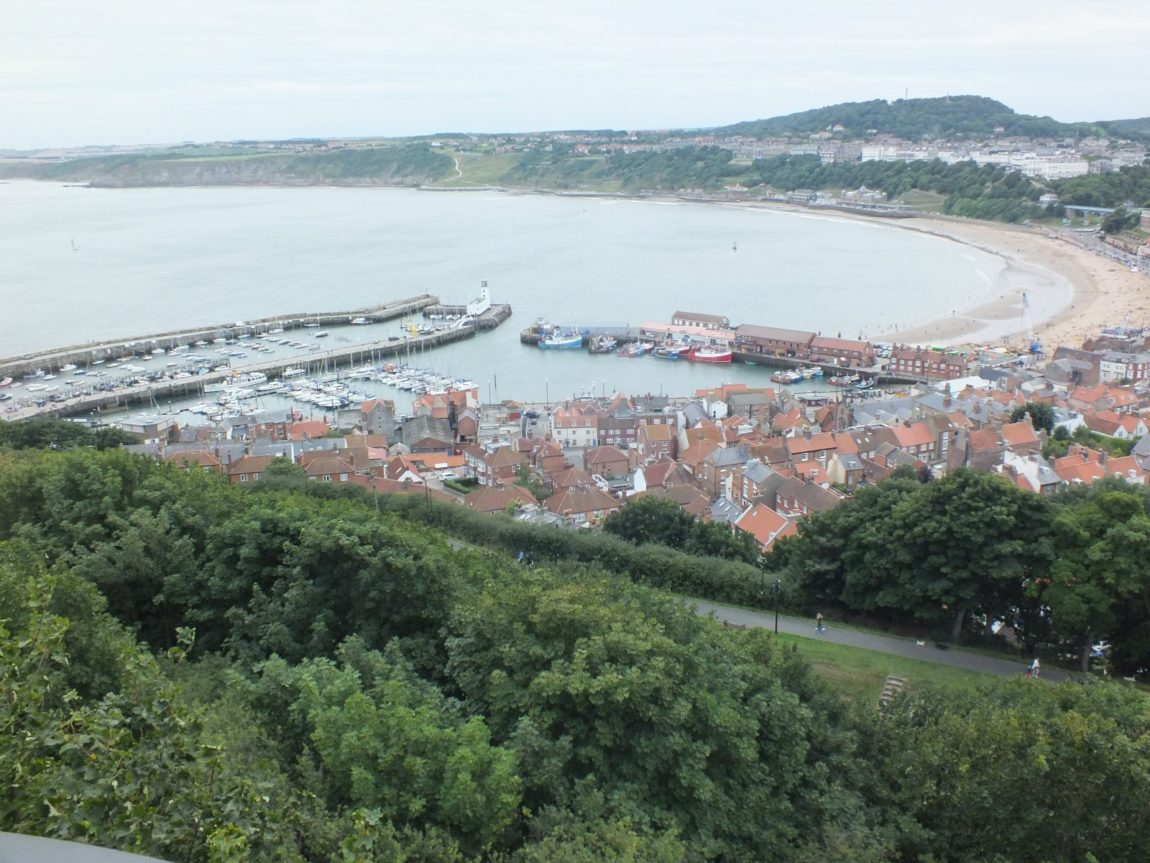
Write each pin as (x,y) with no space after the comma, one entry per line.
(805,628)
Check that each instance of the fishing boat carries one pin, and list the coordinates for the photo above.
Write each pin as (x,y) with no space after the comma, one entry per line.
(561,342)
(603,345)
(669,352)
(786,376)
(710,354)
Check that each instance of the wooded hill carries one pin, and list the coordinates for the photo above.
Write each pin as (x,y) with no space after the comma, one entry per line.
(945,118)
(296,672)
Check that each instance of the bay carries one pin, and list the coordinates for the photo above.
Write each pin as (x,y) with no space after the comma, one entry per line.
(80,264)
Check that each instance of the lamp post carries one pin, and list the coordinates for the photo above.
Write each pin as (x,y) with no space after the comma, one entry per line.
(778,591)
(547,392)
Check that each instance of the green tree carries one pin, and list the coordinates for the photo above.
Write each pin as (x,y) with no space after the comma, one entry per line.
(391,743)
(1041,415)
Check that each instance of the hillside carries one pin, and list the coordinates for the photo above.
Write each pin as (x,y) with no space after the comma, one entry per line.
(915,119)
(287,671)
(1139,126)
(405,164)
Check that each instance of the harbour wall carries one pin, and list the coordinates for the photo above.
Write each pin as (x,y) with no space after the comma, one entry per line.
(19,366)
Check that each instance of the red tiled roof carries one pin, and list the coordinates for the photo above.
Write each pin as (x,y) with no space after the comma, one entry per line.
(765,525)
(495,498)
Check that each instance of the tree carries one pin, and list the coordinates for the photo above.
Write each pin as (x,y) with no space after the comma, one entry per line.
(967,543)
(1041,415)
(1073,756)
(391,743)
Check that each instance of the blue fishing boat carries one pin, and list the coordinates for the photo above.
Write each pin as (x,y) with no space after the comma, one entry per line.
(561,342)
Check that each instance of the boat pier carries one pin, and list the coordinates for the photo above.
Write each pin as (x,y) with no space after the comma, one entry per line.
(622,334)
(85,398)
(17,367)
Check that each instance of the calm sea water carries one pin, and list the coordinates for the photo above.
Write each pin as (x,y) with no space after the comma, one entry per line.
(79,264)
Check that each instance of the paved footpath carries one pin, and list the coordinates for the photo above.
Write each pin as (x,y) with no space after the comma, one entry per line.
(805,628)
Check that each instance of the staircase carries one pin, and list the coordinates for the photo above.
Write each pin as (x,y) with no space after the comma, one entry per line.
(892,687)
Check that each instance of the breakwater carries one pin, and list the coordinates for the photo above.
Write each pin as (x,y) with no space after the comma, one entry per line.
(19,366)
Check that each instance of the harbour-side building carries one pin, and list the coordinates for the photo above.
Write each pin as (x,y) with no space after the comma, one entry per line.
(773,341)
(699,319)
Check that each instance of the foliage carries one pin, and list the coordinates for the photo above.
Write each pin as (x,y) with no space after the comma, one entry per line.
(1109,189)
(1121,220)
(1074,760)
(404,163)
(594,681)
(1059,445)
(1041,415)
(914,119)
(60,434)
(121,766)
(356,689)
(658,520)
(390,743)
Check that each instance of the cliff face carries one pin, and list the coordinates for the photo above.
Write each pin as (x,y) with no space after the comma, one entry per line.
(392,166)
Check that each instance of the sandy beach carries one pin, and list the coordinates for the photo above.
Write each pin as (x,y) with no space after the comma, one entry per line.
(1052,285)
(1103,292)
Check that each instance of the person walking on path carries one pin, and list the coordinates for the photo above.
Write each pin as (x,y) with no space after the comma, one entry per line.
(1035,667)
(819,622)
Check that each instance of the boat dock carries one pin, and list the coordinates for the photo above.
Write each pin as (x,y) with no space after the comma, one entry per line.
(622,334)
(168,389)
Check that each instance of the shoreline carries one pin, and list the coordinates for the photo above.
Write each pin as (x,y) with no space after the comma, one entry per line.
(1037,262)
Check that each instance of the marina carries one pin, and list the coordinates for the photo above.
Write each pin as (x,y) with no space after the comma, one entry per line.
(116,376)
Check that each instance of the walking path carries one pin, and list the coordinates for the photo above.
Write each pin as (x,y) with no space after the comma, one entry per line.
(805,628)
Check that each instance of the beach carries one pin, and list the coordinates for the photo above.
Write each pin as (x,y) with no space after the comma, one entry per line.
(1053,286)
(1095,291)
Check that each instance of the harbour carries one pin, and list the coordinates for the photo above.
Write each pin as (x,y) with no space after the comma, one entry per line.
(82,390)
(257,254)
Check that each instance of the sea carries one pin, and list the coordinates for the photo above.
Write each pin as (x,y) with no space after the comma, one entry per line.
(81,264)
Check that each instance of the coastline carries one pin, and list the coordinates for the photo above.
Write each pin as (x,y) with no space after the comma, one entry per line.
(1071,292)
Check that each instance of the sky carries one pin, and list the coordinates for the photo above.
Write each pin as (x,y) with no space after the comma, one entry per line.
(78,72)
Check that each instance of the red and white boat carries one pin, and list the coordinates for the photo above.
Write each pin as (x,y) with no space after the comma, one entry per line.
(710,354)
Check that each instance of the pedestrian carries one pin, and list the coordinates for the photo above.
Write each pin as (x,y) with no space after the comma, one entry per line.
(1035,667)
(819,622)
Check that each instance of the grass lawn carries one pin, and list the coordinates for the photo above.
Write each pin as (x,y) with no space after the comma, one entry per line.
(479,169)
(861,673)
(930,202)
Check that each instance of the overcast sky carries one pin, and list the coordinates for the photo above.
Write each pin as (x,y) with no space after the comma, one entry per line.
(147,71)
